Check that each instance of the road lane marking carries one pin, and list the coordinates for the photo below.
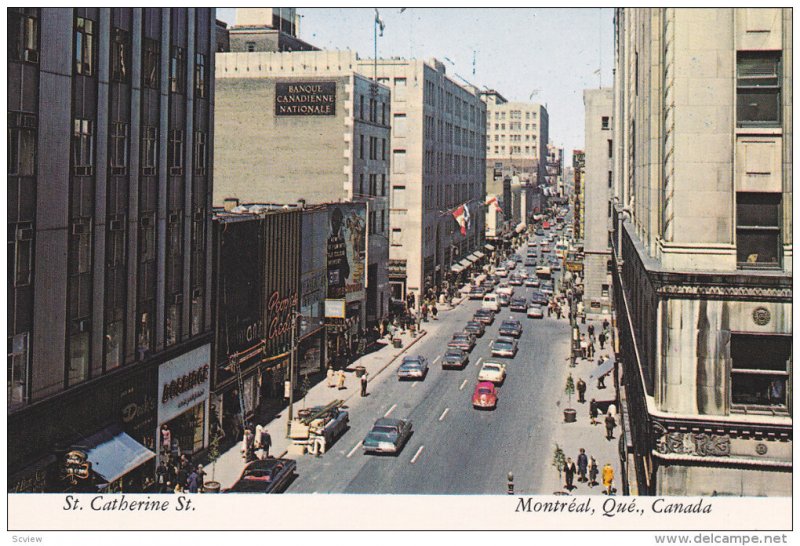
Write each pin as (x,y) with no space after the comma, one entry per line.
(437,359)
(354,449)
(390,411)
(478,362)
(414,384)
(414,459)
(464,384)
(441,417)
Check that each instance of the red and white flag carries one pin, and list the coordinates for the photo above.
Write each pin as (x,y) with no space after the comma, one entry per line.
(461,214)
(492,201)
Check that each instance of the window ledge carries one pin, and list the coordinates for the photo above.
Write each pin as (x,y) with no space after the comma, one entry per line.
(760,131)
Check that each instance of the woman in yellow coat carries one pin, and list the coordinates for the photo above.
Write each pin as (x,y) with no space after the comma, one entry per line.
(608,477)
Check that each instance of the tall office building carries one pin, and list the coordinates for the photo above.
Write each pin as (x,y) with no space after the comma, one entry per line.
(262,29)
(438,162)
(597,193)
(110,132)
(307,126)
(703,248)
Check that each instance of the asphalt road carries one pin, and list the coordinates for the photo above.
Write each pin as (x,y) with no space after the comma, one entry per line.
(455,449)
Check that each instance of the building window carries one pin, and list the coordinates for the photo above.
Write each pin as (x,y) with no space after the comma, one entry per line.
(373,147)
(758,88)
(23,35)
(83,147)
(250,47)
(115,242)
(120,55)
(383,221)
(200,76)
(20,253)
(118,143)
(373,110)
(361,184)
(397,237)
(17,373)
(177,70)
(175,152)
(21,144)
(604,290)
(758,231)
(78,353)
(197,312)
(604,123)
(383,185)
(172,324)
(383,113)
(361,146)
(610,148)
(383,149)
(149,150)
(113,344)
(399,125)
(399,161)
(80,260)
(760,367)
(147,238)
(610,178)
(200,153)
(361,107)
(151,60)
(84,46)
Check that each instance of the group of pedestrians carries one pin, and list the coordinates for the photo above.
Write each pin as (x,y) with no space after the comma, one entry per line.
(587,465)
(179,475)
(256,442)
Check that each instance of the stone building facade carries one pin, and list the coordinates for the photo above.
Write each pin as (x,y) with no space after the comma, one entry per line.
(702,249)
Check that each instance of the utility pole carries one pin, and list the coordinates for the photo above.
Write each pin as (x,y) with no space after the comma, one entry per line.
(292,356)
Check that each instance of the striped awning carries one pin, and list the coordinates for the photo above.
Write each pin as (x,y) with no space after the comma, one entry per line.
(465,263)
(479,254)
(472,258)
(456,268)
(489,247)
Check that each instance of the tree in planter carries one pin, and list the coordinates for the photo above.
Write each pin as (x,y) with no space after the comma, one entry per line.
(559,460)
(569,389)
(213,452)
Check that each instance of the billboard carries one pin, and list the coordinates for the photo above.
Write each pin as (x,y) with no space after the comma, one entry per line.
(305,99)
(347,251)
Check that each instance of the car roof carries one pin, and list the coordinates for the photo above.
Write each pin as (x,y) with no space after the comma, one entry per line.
(388,422)
(484,384)
(413,358)
(504,338)
(265,464)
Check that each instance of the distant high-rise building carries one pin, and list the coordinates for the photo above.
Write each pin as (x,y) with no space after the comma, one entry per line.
(263,30)
(110,139)
(702,249)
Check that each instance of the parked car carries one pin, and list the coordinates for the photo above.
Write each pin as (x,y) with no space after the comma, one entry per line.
(493,371)
(475,327)
(511,327)
(484,396)
(515,280)
(505,289)
(518,304)
(532,244)
(535,311)
(462,340)
(501,271)
(455,358)
(531,282)
(487,286)
(476,293)
(413,367)
(492,302)
(265,476)
(484,316)
(504,299)
(504,346)
(387,436)
(547,288)
(556,266)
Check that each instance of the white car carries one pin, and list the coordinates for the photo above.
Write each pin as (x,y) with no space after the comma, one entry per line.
(505,289)
(492,371)
(532,282)
(535,311)
(501,271)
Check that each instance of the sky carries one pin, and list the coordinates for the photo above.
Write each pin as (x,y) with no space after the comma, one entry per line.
(547,55)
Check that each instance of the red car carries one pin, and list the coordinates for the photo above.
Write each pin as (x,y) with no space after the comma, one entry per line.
(485,395)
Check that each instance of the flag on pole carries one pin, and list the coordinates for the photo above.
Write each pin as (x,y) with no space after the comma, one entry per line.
(467,218)
(461,218)
(379,21)
(492,202)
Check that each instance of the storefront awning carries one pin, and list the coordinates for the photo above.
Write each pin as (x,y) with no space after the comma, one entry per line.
(603,368)
(472,258)
(479,254)
(456,268)
(113,453)
(520,227)
(489,247)
(465,263)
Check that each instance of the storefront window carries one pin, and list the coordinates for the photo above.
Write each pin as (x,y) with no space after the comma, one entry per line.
(187,431)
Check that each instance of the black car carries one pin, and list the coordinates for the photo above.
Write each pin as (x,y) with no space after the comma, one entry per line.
(511,328)
(530,262)
(267,476)
(477,293)
(484,315)
(475,327)
(538,298)
(518,304)
(455,358)
(462,341)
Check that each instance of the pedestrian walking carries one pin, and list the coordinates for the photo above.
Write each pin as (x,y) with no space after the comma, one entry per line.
(434,311)
(162,476)
(583,463)
(201,477)
(549,308)
(266,442)
(340,380)
(364,385)
(558,312)
(180,479)
(602,339)
(605,325)
(424,312)
(593,470)
(608,478)
(610,424)
(569,473)
(591,329)
(331,379)
(247,442)
(166,439)
(590,350)
(584,346)
(192,482)
(581,386)
(593,411)
(257,439)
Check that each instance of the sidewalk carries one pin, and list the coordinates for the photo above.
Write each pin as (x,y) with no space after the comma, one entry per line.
(229,466)
(570,437)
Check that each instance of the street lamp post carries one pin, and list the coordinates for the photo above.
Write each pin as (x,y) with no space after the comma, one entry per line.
(292,369)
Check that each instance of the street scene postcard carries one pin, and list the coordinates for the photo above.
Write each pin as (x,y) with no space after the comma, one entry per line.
(450,268)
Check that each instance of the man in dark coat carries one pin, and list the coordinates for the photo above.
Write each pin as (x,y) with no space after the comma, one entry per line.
(581,385)
(602,339)
(593,411)
(610,424)
(583,463)
(569,473)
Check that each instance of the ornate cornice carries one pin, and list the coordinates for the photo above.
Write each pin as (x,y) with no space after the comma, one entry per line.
(730,291)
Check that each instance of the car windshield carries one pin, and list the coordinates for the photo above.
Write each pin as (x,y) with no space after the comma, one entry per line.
(503,344)
(491,368)
(460,337)
(456,354)
(509,324)
(484,390)
(411,364)
(383,431)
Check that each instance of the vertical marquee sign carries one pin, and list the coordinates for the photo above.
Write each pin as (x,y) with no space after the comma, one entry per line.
(305,98)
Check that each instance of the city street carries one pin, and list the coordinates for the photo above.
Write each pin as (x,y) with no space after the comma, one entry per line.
(456,449)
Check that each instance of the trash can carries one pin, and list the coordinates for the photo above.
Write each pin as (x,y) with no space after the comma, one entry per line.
(360,370)
(397,343)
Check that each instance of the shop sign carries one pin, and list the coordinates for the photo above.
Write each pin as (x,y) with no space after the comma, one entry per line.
(279,314)
(346,252)
(183,383)
(575,267)
(305,99)
(76,467)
